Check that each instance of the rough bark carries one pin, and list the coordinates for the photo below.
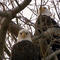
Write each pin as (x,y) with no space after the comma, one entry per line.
(8,16)
(3,31)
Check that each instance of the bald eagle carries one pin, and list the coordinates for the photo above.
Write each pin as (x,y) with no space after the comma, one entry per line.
(24,49)
(43,23)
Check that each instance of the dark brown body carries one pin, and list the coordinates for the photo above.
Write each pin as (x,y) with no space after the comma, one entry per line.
(25,50)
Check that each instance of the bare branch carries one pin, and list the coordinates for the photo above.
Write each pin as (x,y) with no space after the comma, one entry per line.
(12,13)
(56,10)
(52,55)
(19,8)
(14,28)
(7,51)
(2,6)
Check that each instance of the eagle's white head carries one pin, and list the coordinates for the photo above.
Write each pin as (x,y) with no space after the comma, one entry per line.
(44,11)
(24,35)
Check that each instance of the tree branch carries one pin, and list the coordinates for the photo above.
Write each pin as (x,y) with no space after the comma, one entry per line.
(12,13)
(52,55)
(3,31)
(7,51)
(14,28)
(20,7)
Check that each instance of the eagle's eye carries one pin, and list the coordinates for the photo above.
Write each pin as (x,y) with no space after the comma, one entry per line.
(20,33)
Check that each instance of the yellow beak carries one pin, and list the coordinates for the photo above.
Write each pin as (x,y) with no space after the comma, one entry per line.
(23,35)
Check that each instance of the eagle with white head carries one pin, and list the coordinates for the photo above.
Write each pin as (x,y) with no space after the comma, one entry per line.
(24,49)
(24,35)
(44,11)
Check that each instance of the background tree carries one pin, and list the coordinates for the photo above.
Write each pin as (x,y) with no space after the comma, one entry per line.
(14,17)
